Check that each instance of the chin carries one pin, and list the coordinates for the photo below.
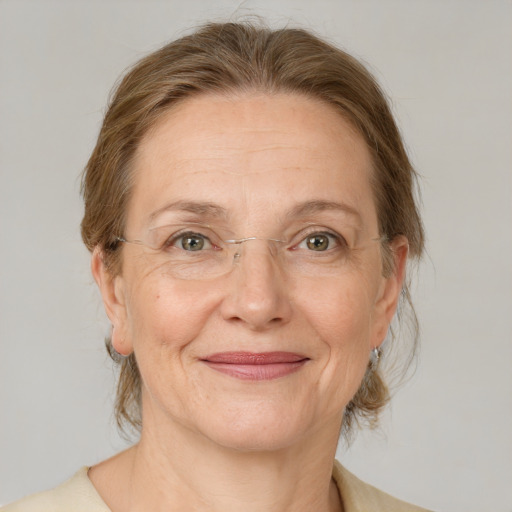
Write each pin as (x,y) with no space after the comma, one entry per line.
(257,430)
(255,439)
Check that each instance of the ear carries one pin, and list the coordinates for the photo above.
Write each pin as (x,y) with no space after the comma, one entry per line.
(113,294)
(390,289)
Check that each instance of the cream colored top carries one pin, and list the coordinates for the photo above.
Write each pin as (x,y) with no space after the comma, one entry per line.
(79,495)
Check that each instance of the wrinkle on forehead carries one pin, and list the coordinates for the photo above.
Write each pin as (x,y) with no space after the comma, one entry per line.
(221,160)
(242,172)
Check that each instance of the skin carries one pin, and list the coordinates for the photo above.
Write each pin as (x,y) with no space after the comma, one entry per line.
(211,441)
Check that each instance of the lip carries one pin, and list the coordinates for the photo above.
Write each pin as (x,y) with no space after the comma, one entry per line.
(256,366)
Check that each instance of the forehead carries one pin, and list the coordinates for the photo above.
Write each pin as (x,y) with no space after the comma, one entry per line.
(251,154)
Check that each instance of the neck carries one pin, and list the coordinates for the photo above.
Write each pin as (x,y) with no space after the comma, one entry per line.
(177,469)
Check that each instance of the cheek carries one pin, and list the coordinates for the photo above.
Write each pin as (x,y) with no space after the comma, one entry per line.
(165,314)
(341,316)
(340,311)
(165,317)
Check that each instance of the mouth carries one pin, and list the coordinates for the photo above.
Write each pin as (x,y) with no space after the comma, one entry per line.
(256,366)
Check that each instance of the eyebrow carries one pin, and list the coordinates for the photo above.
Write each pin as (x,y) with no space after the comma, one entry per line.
(319,205)
(208,209)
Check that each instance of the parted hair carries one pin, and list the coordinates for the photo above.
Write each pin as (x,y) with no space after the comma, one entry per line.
(236,57)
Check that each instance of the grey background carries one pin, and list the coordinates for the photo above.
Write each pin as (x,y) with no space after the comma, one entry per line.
(446,441)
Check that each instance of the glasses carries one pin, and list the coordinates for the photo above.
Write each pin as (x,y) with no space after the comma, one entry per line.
(198,252)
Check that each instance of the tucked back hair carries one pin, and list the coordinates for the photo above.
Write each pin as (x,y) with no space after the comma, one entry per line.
(243,57)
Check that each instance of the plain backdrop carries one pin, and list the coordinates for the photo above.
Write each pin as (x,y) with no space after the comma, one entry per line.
(447,65)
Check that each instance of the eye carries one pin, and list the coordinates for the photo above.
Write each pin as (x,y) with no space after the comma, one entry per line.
(191,242)
(320,242)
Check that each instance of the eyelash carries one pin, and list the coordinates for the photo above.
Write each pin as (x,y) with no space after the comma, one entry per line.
(176,237)
(339,240)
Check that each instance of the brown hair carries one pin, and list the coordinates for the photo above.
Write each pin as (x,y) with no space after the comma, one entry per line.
(235,57)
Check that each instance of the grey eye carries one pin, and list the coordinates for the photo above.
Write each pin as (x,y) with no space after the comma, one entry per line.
(318,242)
(192,242)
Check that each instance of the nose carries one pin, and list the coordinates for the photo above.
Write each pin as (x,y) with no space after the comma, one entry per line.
(257,293)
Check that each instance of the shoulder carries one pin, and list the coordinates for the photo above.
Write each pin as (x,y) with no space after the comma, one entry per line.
(359,496)
(77,494)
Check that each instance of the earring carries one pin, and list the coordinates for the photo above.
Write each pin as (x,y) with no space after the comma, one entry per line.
(375,356)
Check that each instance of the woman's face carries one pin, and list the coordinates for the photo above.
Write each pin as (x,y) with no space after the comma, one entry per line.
(310,309)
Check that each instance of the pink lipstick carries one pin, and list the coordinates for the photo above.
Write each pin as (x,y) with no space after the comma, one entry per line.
(256,366)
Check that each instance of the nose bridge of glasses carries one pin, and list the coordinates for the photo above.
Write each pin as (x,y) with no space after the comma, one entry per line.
(236,244)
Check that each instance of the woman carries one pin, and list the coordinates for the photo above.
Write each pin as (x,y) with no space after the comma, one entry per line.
(249,208)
